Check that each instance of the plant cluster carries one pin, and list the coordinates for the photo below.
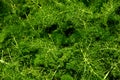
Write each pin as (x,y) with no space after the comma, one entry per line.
(59,40)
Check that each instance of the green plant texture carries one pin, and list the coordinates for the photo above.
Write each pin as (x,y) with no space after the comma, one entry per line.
(59,39)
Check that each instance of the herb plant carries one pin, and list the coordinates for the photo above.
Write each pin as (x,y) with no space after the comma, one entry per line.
(59,40)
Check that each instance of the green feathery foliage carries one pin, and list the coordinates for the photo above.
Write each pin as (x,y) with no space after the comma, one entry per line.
(59,40)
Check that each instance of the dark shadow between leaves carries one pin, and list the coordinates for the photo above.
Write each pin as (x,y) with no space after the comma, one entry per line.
(51,28)
(24,13)
(112,23)
(68,32)
(111,77)
(117,11)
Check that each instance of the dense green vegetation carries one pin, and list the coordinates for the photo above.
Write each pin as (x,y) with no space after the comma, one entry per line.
(59,39)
